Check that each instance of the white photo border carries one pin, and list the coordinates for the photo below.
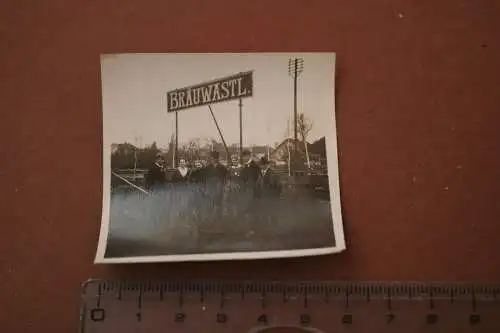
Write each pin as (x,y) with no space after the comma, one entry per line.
(331,143)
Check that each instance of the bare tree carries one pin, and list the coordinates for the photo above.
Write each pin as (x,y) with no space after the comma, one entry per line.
(304,126)
(192,149)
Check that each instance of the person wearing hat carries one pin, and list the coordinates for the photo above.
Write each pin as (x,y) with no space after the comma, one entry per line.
(247,181)
(214,170)
(156,174)
(267,183)
(215,176)
(250,171)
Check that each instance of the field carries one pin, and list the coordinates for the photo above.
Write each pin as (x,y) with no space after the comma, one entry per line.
(182,220)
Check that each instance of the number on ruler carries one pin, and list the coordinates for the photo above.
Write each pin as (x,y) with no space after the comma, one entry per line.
(138,315)
(221,318)
(97,314)
(262,319)
(389,317)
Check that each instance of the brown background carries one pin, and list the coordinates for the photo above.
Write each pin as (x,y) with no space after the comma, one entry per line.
(418,96)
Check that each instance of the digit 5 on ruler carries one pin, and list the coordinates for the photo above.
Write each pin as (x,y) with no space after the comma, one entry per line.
(182,307)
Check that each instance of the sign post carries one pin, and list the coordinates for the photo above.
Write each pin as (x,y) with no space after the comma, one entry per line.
(176,154)
(240,104)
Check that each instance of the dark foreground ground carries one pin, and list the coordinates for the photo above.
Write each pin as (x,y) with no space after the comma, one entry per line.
(181,221)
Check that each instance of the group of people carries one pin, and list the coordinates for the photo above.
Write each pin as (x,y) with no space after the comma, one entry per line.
(254,181)
(255,174)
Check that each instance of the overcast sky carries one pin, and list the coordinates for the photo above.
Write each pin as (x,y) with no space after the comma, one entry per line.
(135,85)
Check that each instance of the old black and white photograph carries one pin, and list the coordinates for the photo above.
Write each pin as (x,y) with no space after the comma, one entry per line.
(219,156)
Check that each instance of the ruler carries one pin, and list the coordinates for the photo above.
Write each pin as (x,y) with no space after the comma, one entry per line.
(267,307)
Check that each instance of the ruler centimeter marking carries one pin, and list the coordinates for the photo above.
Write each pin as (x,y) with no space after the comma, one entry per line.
(108,306)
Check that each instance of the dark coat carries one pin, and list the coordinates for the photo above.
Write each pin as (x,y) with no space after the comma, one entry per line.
(268,184)
(196,175)
(155,176)
(178,178)
(249,174)
(214,173)
(214,178)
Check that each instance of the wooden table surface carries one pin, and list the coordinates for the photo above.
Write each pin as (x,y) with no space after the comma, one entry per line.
(418,104)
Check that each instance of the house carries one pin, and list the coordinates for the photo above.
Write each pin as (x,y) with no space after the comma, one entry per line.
(123,148)
(318,147)
(281,151)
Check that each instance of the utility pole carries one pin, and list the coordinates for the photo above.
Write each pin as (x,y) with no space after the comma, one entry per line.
(288,144)
(295,67)
(176,139)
